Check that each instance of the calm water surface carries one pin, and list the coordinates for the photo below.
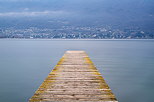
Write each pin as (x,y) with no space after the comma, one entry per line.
(126,65)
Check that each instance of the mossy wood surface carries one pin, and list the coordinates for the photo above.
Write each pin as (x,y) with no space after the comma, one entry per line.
(74,79)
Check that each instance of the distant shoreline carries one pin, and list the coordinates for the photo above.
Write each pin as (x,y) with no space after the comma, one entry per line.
(71,39)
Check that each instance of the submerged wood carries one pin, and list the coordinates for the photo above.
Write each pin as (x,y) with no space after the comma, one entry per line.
(74,79)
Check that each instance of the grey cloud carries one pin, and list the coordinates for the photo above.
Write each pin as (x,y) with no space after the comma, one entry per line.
(35,13)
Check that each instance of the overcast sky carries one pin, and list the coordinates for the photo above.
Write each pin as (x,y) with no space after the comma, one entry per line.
(107,10)
(53,7)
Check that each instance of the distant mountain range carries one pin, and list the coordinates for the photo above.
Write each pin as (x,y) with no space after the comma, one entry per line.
(119,14)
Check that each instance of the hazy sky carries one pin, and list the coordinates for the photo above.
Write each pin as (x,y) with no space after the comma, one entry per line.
(57,7)
(105,10)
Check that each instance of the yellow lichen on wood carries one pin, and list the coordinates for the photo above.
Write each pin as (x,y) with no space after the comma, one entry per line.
(74,79)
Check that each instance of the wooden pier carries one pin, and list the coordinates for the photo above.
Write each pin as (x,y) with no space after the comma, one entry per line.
(74,79)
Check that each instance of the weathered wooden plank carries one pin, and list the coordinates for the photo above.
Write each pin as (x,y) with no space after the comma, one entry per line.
(74,79)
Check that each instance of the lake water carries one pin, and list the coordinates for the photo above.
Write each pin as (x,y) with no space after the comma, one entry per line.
(126,65)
